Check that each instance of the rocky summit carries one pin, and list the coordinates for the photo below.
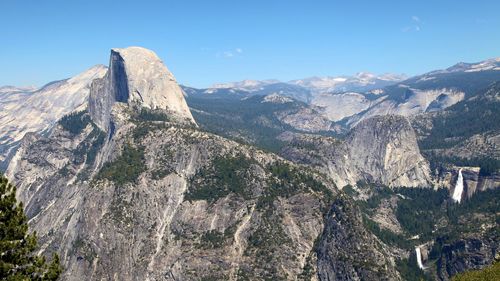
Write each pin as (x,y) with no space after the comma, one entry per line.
(138,78)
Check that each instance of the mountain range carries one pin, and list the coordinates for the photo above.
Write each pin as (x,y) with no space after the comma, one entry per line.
(129,176)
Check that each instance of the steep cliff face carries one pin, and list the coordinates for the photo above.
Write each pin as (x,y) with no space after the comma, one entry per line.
(467,254)
(382,149)
(385,149)
(347,251)
(138,78)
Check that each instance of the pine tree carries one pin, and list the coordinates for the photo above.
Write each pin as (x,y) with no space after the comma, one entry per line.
(17,260)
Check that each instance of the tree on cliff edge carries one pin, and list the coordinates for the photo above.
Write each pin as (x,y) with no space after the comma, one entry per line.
(17,258)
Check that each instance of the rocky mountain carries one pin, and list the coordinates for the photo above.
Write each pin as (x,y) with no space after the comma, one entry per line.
(338,257)
(432,91)
(129,81)
(381,149)
(126,185)
(234,110)
(152,197)
(25,110)
(360,82)
(258,88)
(245,85)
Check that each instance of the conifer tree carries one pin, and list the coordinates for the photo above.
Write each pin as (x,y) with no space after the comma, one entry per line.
(17,245)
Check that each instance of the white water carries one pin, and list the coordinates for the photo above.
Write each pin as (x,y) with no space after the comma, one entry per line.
(419,258)
(459,188)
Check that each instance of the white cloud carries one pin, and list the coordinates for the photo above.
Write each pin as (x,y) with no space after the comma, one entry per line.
(415,26)
(230,53)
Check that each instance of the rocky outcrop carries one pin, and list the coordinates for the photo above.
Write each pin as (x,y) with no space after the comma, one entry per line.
(347,251)
(467,254)
(382,149)
(138,78)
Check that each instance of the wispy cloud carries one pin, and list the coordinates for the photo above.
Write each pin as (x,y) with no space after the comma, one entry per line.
(230,53)
(415,25)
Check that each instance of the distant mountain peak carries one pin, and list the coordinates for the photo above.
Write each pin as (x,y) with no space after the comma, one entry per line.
(361,81)
(276,98)
(247,85)
(489,64)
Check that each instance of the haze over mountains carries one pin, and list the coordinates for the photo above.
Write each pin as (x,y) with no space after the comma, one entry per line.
(129,176)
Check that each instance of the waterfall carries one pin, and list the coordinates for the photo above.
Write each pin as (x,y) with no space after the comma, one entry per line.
(419,258)
(459,188)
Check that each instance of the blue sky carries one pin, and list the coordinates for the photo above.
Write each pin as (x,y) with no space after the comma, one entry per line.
(204,42)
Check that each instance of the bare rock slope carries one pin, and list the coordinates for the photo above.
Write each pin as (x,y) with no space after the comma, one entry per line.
(30,110)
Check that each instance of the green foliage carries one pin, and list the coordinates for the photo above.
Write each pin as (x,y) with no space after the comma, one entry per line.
(488,165)
(387,236)
(490,273)
(75,122)
(90,146)
(268,237)
(125,168)
(225,175)
(380,193)
(478,115)
(212,239)
(152,115)
(308,270)
(98,138)
(287,180)
(248,120)
(463,120)
(17,246)
(349,190)
(487,201)
(421,208)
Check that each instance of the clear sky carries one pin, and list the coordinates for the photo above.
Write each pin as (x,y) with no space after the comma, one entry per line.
(208,41)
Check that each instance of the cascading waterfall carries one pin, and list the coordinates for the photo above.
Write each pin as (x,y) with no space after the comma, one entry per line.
(419,258)
(459,188)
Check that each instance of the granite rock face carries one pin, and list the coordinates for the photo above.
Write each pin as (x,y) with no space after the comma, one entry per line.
(138,78)
(467,254)
(347,251)
(382,149)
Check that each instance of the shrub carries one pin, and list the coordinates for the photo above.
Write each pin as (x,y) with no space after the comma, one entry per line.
(126,168)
